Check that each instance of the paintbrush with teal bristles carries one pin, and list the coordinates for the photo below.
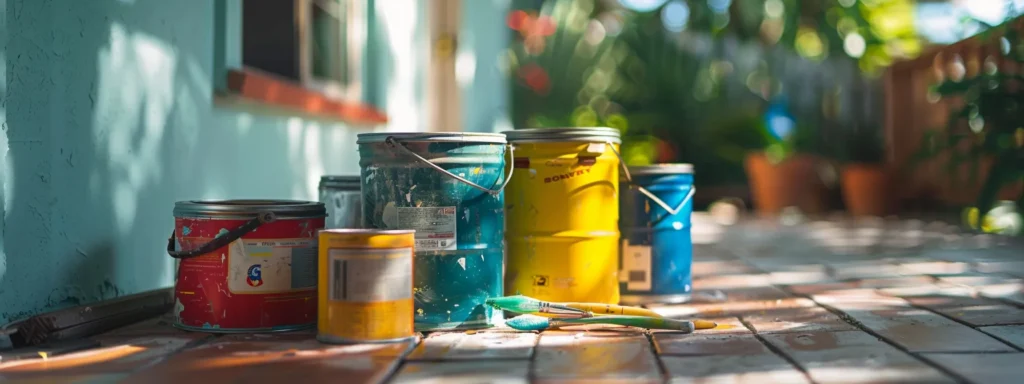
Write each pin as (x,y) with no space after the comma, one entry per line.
(539,323)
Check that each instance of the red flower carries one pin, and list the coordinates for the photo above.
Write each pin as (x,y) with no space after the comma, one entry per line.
(536,78)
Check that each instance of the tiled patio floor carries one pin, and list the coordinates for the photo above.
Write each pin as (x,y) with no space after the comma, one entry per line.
(824,302)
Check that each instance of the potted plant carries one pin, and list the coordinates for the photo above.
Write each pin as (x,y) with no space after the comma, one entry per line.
(784,173)
(864,178)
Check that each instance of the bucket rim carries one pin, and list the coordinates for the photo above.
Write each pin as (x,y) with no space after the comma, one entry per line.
(577,134)
(662,169)
(448,137)
(340,181)
(249,208)
(367,231)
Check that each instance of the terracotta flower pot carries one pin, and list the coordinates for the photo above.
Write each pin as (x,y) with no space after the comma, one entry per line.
(792,182)
(866,189)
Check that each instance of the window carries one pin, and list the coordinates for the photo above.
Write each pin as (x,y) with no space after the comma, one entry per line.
(306,41)
(303,54)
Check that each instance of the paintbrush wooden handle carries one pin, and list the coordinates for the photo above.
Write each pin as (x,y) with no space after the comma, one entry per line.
(610,309)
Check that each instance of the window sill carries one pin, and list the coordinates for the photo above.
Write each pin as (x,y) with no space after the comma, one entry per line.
(255,86)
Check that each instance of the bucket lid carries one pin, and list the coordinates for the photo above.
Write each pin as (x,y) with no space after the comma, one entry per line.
(248,208)
(468,137)
(335,181)
(540,135)
(662,169)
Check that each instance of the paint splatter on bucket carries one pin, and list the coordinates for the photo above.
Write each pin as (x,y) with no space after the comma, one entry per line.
(341,196)
(365,286)
(448,187)
(246,265)
(657,250)
(563,212)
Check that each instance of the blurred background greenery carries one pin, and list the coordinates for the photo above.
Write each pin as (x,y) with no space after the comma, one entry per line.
(706,81)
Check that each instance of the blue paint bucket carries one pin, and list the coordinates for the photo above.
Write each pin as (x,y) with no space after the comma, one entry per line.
(657,252)
(449,188)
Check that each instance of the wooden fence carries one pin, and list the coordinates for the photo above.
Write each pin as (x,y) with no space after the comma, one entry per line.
(912,110)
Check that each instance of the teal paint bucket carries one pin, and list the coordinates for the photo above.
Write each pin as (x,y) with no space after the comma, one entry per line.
(449,188)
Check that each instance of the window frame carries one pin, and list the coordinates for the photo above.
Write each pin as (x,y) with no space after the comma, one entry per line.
(238,85)
(354,23)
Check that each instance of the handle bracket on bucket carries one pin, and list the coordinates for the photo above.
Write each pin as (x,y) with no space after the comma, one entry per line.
(652,196)
(394,143)
(220,241)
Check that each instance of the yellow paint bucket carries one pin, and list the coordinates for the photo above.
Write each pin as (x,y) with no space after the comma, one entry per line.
(562,214)
(365,286)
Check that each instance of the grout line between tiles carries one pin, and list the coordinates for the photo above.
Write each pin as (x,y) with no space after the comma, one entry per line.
(778,351)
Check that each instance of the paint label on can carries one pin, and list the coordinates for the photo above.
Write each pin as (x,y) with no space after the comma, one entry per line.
(369,275)
(369,294)
(435,227)
(261,266)
(636,267)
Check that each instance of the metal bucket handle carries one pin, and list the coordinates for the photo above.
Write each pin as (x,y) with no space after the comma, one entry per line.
(655,199)
(220,241)
(394,143)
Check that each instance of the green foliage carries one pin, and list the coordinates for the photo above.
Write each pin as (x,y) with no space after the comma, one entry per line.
(604,66)
(988,125)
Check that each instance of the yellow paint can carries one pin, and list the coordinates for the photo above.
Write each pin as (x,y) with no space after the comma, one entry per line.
(365,286)
(562,214)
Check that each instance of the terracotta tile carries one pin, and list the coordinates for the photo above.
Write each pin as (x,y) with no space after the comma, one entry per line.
(893,282)
(478,345)
(852,357)
(100,378)
(818,288)
(739,369)
(797,320)
(702,252)
(1015,268)
(591,356)
(934,268)
(971,310)
(914,329)
(755,294)
(276,361)
(982,368)
(864,269)
(720,267)
(705,344)
(806,274)
(1013,334)
(732,281)
(993,286)
(464,372)
(50,349)
(122,358)
(731,308)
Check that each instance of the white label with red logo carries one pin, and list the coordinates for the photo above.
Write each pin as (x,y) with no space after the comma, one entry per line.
(261,266)
(435,227)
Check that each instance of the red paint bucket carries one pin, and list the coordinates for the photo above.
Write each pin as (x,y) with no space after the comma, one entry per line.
(245,265)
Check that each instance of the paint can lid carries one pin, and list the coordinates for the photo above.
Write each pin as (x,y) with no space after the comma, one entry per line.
(347,182)
(662,169)
(245,209)
(586,135)
(455,137)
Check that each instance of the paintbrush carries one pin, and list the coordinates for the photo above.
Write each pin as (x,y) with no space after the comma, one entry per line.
(530,306)
(538,323)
